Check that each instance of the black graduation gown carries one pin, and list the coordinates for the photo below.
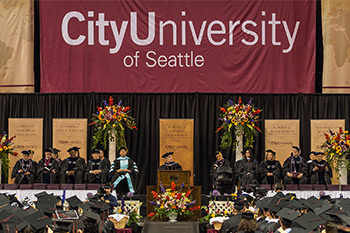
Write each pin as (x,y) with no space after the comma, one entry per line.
(92,165)
(123,188)
(231,225)
(222,176)
(236,169)
(44,172)
(322,175)
(75,164)
(252,168)
(273,167)
(170,166)
(301,167)
(269,226)
(28,165)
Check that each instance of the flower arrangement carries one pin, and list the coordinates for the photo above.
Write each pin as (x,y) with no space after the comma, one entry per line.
(213,210)
(131,211)
(336,148)
(110,119)
(241,117)
(172,201)
(6,148)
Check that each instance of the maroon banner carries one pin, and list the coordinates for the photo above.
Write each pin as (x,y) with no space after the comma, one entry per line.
(178,46)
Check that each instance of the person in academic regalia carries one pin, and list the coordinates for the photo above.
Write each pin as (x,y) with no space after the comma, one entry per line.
(123,171)
(270,169)
(72,170)
(231,224)
(248,170)
(221,174)
(169,162)
(96,171)
(24,170)
(309,165)
(47,169)
(321,172)
(55,156)
(294,168)
(104,159)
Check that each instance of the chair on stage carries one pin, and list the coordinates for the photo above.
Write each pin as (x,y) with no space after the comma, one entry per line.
(291,187)
(79,186)
(345,187)
(305,187)
(25,186)
(332,187)
(319,187)
(67,186)
(266,186)
(93,186)
(10,186)
(52,187)
(1,186)
(39,186)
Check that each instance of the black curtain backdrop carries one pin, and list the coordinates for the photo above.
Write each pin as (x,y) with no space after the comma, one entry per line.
(149,108)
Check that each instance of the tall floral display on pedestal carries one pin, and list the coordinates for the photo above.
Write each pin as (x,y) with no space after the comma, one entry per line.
(238,124)
(6,149)
(110,122)
(336,148)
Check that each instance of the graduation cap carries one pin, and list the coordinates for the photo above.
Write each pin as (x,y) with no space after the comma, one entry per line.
(288,214)
(48,150)
(246,197)
(271,151)
(295,204)
(297,148)
(25,152)
(73,148)
(31,210)
(323,208)
(263,203)
(91,215)
(95,151)
(276,204)
(299,230)
(167,154)
(55,150)
(239,204)
(41,194)
(38,220)
(21,213)
(66,225)
(74,201)
(47,207)
(312,203)
(310,221)
(248,215)
(8,218)
(4,203)
(318,153)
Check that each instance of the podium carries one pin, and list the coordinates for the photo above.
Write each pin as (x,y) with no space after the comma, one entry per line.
(166,177)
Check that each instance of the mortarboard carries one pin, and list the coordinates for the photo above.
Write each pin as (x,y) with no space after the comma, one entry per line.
(318,153)
(55,150)
(297,148)
(91,215)
(25,152)
(31,210)
(73,148)
(38,220)
(167,154)
(47,207)
(4,203)
(248,215)
(288,214)
(276,204)
(271,151)
(48,150)
(74,201)
(95,151)
(239,204)
(100,205)
(312,203)
(263,203)
(323,208)
(310,221)
(41,194)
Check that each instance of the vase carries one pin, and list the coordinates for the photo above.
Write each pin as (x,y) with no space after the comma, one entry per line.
(172,216)
(239,139)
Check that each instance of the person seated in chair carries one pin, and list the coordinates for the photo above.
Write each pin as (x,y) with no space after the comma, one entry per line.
(270,169)
(47,169)
(72,170)
(294,168)
(321,172)
(169,162)
(96,170)
(123,171)
(248,169)
(222,174)
(24,170)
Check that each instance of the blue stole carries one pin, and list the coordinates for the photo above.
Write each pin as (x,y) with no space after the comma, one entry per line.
(124,165)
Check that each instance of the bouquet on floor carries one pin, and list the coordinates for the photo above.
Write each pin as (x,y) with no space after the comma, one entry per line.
(336,148)
(110,122)
(215,209)
(131,209)
(172,201)
(242,117)
(6,149)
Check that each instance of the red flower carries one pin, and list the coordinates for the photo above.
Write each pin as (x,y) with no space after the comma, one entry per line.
(93,123)
(173,186)
(178,196)
(327,137)
(257,128)
(151,214)
(126,109)
(98,108)
(188,192)
(340,130)
(110,101)
(15,154)
(219,129)
(240,101)
(223,109)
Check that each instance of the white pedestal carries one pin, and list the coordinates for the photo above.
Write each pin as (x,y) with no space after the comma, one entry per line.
(343,175)
(239,138)
(112,149)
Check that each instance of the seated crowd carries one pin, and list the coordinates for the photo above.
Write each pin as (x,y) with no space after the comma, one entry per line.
(247,171)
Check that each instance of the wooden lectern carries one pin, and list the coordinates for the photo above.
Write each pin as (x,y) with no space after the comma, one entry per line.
(165,177)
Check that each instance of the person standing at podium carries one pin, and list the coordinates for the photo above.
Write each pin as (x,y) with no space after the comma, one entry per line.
(169,162)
